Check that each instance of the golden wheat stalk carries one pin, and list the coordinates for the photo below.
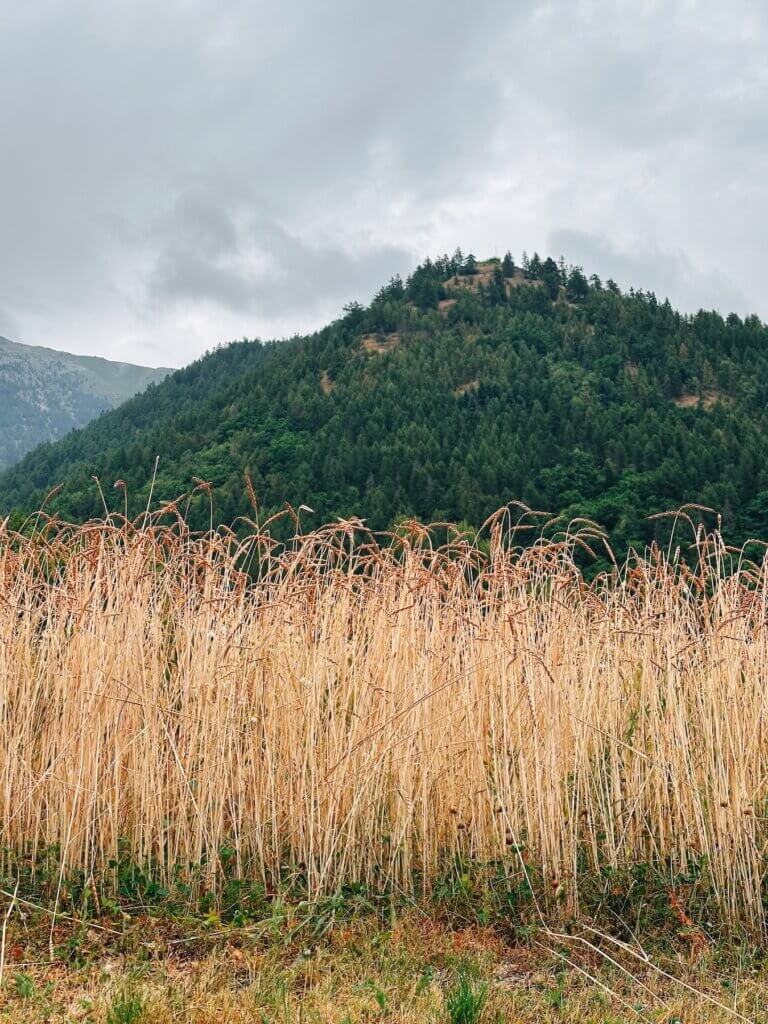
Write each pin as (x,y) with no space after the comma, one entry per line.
(352,707)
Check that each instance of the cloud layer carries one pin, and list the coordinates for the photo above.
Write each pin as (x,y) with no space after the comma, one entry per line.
(181,174)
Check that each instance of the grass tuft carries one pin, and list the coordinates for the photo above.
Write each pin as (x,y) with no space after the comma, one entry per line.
(465,1001)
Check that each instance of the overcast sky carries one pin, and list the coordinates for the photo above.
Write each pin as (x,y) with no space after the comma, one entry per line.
(178,174)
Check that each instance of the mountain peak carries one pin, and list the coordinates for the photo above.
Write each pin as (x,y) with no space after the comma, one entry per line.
(467,386)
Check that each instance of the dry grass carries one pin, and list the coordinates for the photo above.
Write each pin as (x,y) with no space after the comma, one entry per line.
(327,383)
(707,400)
(483,277)
(345,709)
(366,972)
(380,343)
(402,975)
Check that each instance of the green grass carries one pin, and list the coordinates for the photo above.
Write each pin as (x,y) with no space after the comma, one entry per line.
(349,959)
(464,1002)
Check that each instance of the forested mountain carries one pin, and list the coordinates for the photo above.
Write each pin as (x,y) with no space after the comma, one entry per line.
(462,388)
(44,393)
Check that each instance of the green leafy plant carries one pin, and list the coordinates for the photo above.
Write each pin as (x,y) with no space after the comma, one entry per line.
(25,987)
(555,996)
(378,994)
(127,1008)
(465,1001)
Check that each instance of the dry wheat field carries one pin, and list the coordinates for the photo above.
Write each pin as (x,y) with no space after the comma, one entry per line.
(347,707)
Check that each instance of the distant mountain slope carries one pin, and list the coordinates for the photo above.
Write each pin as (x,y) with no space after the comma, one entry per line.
(45,393)
(463,388)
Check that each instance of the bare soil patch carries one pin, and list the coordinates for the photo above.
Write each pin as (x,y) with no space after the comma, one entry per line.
(689,400)
(380,342)
(484,276)
(520,279)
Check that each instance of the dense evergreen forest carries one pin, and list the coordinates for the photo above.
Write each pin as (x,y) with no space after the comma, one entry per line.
(462,388)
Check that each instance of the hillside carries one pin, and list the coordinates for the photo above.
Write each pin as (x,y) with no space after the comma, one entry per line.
(45,393)
(463,388)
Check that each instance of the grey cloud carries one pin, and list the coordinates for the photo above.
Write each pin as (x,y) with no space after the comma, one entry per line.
(249,263)
(636,76)
(170,171)
(307,120)
(304,276)
(667,274)
(8,323)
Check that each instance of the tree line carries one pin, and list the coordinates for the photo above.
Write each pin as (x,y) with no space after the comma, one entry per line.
(535,383)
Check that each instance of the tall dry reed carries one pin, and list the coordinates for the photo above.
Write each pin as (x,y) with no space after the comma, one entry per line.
(355,708)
